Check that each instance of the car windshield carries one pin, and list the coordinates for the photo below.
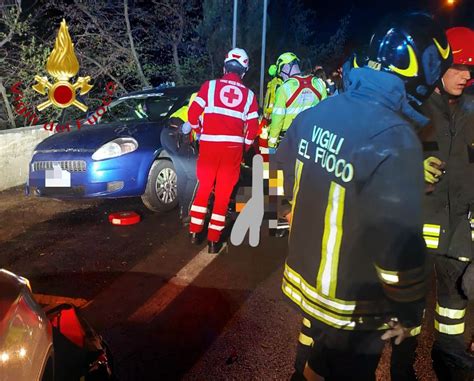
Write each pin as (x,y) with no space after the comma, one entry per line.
(135,109)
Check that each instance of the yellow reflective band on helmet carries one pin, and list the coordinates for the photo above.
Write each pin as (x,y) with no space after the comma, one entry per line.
(431,230)
(412,69)
(449,329)
(305,340)
(306,323)
(431,242)
(332,237)
(444,52)
(354,63)
(415,331)
(450,312)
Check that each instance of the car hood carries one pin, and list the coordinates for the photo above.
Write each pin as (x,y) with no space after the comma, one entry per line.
(90,137)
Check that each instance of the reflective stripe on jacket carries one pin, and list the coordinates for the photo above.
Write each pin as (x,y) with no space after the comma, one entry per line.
(356,252)
(230,111)
(450,138)
(295,95)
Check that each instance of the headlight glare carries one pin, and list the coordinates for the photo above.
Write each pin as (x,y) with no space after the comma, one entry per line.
(115,148)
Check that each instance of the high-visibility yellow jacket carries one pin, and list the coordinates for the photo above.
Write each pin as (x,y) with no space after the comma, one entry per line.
(182,113)
(272,87)
(295,95)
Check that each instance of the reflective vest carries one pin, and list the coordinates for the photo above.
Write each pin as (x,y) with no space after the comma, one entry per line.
(295,95)
(229,112)
(182,113)
(272,87)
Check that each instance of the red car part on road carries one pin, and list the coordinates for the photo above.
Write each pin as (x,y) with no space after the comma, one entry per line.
(124,218)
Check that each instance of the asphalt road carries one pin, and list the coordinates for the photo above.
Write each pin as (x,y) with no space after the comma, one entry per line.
(168,309)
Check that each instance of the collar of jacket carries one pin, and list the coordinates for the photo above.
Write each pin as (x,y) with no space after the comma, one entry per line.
(443,100)
(232,77)
(385,89)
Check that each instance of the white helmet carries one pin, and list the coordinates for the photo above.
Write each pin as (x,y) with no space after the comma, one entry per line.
(239,55)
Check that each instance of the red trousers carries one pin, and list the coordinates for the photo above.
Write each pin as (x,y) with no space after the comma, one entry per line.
(218,168)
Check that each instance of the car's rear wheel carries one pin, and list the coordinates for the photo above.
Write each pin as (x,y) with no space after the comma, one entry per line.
(161,192)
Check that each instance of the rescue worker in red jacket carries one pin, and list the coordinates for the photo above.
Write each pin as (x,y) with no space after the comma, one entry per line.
(230,124)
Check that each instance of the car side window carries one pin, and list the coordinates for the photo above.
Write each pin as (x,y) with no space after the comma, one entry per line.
(127,110)
(159,107)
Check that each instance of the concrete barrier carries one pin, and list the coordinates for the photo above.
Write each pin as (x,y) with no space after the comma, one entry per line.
(16,150)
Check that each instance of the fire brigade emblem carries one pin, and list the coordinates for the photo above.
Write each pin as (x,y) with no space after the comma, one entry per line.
(231,96)
(62,65)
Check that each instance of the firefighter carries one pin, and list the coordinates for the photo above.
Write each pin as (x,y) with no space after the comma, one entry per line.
(272,87)
(230,124)
(357,260)
(297,93)
(182,149)
(448,144)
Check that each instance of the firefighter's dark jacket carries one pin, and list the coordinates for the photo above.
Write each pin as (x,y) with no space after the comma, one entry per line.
(450,137)
(353,169)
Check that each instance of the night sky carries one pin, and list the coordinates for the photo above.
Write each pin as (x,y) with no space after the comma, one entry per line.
(367,13)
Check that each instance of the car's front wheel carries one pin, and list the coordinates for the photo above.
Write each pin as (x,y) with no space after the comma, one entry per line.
(161,192)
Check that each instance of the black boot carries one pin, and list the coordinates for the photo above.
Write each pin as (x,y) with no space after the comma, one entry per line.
(213,247)
(185,221)
(195,238)
(181,213)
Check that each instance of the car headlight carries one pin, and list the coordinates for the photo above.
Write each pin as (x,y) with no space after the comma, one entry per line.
(114,148)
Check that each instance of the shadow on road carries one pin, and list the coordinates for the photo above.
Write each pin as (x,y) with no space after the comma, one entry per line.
(78,254)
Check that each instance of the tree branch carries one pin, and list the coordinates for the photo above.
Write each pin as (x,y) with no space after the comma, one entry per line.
(3,92)
(132,46)
(119,84)
(12,28)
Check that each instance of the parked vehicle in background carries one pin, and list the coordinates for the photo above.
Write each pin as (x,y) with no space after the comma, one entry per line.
(26,341)
(119,156)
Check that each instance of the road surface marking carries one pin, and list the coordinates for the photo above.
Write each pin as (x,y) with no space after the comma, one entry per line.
(173,288)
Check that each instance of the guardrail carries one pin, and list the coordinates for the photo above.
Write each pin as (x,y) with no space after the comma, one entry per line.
(16,150)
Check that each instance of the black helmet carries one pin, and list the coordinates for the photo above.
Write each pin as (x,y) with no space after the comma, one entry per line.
(413,47)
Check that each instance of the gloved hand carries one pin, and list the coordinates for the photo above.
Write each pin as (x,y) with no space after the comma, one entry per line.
(272,142)
(397,331)
(432,171)
(186,128)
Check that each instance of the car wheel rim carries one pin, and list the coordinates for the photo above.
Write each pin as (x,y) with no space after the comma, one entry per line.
(166,188)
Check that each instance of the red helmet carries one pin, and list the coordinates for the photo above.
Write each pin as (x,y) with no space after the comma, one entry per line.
(461,40)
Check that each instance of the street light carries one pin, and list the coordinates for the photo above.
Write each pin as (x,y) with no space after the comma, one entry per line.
(451,2)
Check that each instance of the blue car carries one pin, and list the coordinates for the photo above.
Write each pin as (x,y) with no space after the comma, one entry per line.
(118,156)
